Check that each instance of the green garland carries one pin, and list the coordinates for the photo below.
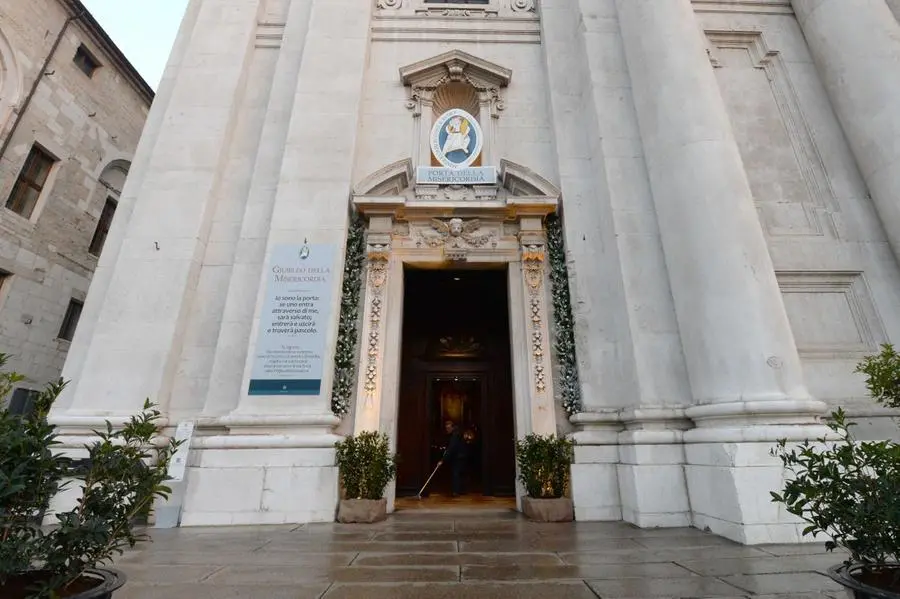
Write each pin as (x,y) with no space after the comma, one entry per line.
(564,323)
(345,357)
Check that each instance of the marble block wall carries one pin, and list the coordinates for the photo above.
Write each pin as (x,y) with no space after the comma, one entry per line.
(729,244)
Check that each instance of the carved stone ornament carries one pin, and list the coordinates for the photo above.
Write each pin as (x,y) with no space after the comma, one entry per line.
(456,236)
(522,5)
(425,77)
(388,3)
(378,256)
(533,265)
(533,256)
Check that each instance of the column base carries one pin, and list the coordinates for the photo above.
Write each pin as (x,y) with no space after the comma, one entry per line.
(595,482)
(651,467)
(653,488)
(235,485)
(730,485)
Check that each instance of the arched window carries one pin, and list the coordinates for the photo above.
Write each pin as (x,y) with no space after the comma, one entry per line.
(112,180)
(10,82)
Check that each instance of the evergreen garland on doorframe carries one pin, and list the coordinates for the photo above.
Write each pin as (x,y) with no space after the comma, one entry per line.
(564,322)
(345,357)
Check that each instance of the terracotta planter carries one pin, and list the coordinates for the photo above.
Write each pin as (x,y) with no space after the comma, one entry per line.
(100,583)
(548,510)
(851,578)
(363,511)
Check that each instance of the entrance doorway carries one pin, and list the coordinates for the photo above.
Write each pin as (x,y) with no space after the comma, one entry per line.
(456,366)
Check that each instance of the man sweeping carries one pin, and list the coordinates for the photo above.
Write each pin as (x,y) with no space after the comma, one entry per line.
(455,456)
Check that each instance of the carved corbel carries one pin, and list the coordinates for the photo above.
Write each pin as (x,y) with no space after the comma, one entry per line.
(418,96)
(533,255)
(492,98)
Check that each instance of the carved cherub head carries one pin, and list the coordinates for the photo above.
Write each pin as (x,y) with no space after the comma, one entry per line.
(456,227)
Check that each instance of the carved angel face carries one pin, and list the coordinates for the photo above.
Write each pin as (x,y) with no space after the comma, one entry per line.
(456,226)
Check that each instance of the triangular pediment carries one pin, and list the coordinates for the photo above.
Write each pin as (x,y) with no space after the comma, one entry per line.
(455,65)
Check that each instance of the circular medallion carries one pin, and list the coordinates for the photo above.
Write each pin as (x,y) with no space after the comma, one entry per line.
(456,139)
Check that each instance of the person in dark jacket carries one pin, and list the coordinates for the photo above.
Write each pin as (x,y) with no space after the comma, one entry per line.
(455,455)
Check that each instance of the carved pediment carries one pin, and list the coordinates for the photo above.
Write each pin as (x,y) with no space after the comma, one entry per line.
(391,180)
(455,65)
(521,181)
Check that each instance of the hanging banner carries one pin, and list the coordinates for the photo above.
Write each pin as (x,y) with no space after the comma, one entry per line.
(290,344)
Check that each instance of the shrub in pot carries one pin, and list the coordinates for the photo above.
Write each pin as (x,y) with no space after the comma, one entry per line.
(849,490)
(124,473)
(366,466)
(544,468)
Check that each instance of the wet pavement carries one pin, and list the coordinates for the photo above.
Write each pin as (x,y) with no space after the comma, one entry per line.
(462,555)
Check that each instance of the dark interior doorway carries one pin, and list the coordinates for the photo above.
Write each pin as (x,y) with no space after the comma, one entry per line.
(456,366)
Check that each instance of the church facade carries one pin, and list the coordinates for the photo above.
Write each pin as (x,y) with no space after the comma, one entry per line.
(667,228)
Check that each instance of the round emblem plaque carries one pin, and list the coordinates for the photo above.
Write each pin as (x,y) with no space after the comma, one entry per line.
(456,139)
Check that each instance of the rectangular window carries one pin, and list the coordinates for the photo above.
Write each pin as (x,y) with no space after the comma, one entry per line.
(109,210)
(22,402)
(85,61)
(31,181)
(70,321)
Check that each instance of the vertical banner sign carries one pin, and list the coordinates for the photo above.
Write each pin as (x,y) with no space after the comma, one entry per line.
(183,433)
(290,345)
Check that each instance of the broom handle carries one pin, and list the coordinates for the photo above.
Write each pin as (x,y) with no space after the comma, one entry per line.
(433,472)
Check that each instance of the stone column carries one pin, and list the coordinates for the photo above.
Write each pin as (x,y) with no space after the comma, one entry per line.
(139,308)
(279,450)
(856,48)
(742,361)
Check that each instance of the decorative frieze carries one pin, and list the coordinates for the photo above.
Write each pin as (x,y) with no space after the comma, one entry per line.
(456,236)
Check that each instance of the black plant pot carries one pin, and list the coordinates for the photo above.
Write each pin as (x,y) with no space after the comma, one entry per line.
(108,582)
(846,576)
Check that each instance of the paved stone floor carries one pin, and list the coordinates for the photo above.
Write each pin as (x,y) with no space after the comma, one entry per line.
(462,555)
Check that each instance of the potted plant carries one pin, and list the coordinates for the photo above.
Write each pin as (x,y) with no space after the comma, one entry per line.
(544,465)
(366,466)
(123,474)
(849,490)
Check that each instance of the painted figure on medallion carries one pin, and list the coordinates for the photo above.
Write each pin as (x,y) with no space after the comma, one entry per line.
(456,139)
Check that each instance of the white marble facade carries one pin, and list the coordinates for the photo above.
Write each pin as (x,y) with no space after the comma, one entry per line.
(728,174)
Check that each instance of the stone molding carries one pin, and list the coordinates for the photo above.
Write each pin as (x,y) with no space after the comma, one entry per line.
(861,309)
(821,201)
(755,7)
(426,76)
(490,10)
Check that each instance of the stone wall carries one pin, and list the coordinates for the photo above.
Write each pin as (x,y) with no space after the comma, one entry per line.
(91,125)
(837,273)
